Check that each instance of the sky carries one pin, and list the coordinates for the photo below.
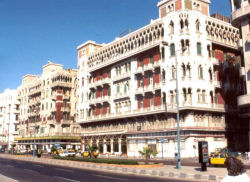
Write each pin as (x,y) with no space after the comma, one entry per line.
(35,31)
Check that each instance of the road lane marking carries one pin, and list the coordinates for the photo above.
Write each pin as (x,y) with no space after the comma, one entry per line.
(67,179)
(37,165)
(65,170)
(110,177)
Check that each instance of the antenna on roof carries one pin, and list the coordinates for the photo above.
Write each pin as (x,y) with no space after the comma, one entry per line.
(126,32)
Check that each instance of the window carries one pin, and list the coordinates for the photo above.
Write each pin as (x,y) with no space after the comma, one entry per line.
(197,25)
(199,48)
(172,50)
(200,72)
(203,96)
(117,88)
(173,72)
(151,59)
(183,70)
(171,27)
(181,24)
(162,53)
(141,63)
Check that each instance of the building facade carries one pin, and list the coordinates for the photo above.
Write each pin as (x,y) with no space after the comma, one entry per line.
(127,88)
(48,109)
(241,19)
(9,113)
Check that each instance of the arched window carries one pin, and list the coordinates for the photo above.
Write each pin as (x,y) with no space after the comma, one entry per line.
(189,70)
(189,95)
(171,97)
(199,95)
(172,50)
(186,24)
(204,96)
(210,74)
(171,27)
(199,48)
(173,72)
(184,94)
(200,72)
(163,75)
(197,23)
(183,70)
(181,24)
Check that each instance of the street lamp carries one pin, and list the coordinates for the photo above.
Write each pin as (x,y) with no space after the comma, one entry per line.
(164,43)
(36,111)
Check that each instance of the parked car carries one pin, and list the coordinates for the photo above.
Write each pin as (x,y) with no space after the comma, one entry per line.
(2,150)
(66,153)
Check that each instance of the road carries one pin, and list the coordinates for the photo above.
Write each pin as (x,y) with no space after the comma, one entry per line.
(34,172)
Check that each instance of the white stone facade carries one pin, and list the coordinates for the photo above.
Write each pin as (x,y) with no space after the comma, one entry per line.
(9,113)
(127,88)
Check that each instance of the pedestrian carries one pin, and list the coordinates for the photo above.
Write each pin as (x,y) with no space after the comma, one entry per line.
(236,171)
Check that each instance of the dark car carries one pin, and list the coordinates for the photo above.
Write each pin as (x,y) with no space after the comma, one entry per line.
(2,150)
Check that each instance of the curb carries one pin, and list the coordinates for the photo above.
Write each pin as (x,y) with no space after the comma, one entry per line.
(122,169)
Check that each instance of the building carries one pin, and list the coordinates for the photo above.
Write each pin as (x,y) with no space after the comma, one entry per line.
(241,19)
(127,88)
(9,112)
(48,109)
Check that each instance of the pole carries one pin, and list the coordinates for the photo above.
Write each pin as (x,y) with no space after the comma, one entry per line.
(162,149)
(177,116)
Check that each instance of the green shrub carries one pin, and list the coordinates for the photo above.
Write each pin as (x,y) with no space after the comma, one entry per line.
(94,160)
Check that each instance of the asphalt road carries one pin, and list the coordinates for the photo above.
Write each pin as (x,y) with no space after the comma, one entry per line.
(34,172)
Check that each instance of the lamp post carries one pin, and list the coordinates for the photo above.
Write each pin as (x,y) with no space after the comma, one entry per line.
(165,44)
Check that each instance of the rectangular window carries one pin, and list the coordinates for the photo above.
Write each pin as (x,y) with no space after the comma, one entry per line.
(172,50)
(199,48)
(151,59)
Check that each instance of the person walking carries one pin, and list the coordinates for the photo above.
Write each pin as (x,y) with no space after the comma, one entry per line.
(236,171)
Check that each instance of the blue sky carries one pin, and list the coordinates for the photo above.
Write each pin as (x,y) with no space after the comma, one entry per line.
(35,31)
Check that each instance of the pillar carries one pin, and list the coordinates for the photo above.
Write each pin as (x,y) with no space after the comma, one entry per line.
(97,145)
(112,145)
(120,145)
(83,147)
(104,146)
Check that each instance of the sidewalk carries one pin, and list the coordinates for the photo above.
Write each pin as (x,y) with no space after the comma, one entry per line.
(6,179)
(166,171)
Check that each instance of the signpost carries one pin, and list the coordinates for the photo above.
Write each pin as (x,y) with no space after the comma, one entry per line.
(203,154)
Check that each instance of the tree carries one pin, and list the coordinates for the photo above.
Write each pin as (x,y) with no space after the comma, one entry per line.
(91,150)
(147,153)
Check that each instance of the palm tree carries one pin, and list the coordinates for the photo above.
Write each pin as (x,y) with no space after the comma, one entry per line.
(147,153)
(91,150)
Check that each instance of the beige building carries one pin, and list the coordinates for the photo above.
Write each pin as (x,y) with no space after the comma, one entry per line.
(241,19)
(9,112)
(48,109)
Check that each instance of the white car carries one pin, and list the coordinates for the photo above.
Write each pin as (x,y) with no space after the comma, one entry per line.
(67,154)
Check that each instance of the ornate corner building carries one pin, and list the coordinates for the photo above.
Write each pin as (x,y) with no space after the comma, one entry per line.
(9,113)
(48,109)
(127,88)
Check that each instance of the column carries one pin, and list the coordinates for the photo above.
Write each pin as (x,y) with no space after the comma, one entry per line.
(97,145)
(232,5)
(104,146)
(83,147)
(112,145)
(120,145)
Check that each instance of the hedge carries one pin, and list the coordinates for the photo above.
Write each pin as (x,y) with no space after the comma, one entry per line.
(98,160)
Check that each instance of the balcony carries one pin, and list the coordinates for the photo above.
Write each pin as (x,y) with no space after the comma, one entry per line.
(66,122)
(65,109)
(35,91)
(157,86)
(157,64)
(216,84)
(148,67)
(243,100)
(61,84)
(215,61)
(139,90)
(106,80)
(106,98)
(139,70)
(240,13)
(148,88)
(66,97)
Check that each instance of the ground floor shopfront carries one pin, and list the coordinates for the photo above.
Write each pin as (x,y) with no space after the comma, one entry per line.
(46,143)
(164,142)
